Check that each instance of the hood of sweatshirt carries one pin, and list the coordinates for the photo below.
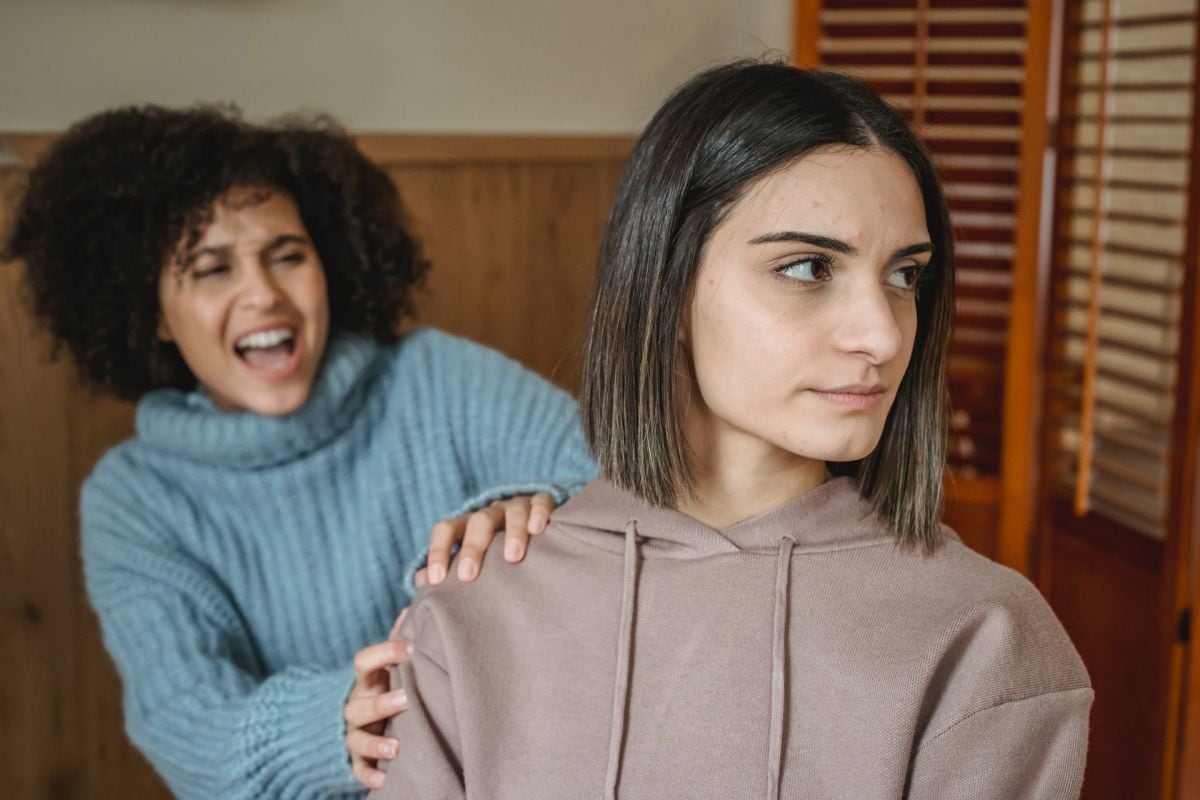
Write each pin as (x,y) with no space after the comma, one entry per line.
(617,520)
(817,519)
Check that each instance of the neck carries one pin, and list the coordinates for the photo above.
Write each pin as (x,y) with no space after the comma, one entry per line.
(737,476)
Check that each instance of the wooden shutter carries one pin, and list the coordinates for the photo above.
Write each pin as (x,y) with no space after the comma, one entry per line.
(1118,257)
(956,68)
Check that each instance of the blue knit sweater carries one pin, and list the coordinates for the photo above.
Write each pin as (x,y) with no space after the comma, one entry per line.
(237,562)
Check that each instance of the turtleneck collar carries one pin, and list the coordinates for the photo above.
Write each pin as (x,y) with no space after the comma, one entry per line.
(189,426)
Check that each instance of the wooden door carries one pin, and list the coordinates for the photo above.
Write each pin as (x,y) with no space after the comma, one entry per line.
(1119,441)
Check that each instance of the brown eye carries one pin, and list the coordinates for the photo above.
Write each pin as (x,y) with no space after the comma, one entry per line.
(809,269)
(906,277)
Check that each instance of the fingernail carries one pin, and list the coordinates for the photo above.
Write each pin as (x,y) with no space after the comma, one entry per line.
(376,780)
(467,569)
(390,749)
(513,550)
(421,578)
(399,699)
(537,525)
(437,574)
(409,647)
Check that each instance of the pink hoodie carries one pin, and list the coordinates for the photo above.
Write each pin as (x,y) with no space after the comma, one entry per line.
(798,654)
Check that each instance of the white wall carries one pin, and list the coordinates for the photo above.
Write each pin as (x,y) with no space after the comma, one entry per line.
(416,65)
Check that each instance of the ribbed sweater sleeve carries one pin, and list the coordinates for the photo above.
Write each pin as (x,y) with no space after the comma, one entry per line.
(1034,748)
(237,562)
(519,432)
(197,700)
(514,432)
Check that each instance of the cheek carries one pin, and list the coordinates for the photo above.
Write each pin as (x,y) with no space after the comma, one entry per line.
(315,293)
(190,319)
(750,357)
(907,322)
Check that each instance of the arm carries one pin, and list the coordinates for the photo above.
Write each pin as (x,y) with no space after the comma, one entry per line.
(1034,749)
(197,700)
(429,764)
(516,432)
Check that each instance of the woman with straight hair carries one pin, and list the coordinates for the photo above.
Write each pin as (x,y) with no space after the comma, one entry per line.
(756,598)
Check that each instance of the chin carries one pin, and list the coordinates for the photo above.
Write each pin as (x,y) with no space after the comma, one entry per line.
(850,448)
(277,405)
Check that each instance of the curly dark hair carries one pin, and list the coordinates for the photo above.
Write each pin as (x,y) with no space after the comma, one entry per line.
(111,202)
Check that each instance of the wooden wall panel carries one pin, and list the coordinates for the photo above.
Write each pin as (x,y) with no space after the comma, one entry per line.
(40,689)
(513,246)
(971,511)
(512,225)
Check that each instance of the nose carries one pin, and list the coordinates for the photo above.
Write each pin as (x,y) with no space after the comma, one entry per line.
(869,327)
(258,289)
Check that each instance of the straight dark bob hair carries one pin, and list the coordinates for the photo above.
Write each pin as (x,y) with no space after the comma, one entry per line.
(715,136)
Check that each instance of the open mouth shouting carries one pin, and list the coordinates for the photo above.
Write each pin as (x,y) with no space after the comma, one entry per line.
(272,353)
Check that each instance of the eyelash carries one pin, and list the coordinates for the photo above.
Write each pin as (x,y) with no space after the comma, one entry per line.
(289,258)
(204,273)
(920,271)
(826,262)
(817,260)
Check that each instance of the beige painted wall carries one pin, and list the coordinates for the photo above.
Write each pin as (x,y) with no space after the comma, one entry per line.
(400,65)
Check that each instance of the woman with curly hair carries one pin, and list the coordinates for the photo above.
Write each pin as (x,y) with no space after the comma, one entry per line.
(245,284)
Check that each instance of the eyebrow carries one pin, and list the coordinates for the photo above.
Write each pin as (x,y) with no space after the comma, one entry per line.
(274,244)
(836,245)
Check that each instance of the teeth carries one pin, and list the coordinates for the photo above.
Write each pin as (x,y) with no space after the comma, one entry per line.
(264,339)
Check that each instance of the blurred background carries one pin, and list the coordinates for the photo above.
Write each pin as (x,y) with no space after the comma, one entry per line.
(1066,133)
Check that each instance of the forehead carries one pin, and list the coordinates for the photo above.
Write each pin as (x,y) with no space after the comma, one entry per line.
(859,195)
(249,214)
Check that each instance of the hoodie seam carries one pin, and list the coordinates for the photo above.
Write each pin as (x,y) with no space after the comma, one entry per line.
(800,550)
(1001,704)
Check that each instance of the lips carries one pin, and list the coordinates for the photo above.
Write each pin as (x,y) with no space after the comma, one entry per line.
(854,397)
(271,353)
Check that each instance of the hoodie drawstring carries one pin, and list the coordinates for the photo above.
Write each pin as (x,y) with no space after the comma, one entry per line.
(779,666)
(616,736)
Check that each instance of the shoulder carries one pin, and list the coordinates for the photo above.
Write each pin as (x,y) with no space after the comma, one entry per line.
(129,496)
(424,345)
(972,582)
(459,372)
(994,638)
(116,473)
(556,566)
(457,357)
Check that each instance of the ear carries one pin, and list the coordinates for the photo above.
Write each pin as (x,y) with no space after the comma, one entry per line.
(163,331)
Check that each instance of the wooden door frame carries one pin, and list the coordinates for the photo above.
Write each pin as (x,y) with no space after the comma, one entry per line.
(1024,373)
(1182,763)
(806,33)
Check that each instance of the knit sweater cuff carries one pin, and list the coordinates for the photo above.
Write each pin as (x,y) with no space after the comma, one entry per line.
(561,492)
(312,728)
